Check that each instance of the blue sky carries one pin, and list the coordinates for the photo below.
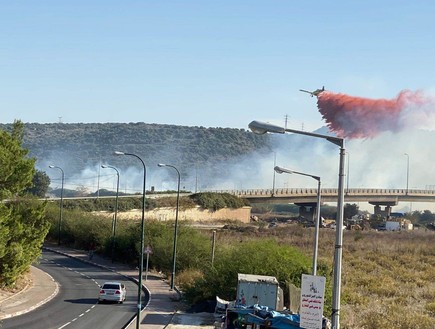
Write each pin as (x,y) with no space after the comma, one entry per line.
(206,63)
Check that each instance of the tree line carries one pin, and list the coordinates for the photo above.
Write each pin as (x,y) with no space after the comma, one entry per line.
(77,146)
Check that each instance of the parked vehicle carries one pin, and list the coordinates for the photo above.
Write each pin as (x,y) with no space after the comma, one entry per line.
(112,291)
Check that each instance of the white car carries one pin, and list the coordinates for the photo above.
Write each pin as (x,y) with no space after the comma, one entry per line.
(112,291)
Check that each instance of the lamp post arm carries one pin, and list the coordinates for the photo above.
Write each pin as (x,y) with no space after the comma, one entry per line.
(281,170)
(317,178)
(259,127)
(335,140)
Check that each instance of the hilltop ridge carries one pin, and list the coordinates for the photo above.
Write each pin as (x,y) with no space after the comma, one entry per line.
(75,146)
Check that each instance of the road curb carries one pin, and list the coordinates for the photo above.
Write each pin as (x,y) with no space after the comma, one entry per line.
(31,308)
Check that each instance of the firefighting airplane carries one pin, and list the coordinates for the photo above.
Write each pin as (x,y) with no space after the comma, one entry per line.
(315,92)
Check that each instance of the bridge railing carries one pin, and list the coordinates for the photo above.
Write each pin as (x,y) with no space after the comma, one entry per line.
(326,191)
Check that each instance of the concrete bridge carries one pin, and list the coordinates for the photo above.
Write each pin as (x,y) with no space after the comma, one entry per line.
(307,197)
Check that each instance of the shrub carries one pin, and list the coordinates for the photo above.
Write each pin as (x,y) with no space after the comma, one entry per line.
(216,201)
(265,257)
(193,247)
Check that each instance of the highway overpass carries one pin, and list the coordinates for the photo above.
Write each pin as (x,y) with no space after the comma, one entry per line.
(307,197)
(300,195)
(303,195)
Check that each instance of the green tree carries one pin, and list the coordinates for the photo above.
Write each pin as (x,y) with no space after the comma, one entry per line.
(350,210)
(17,169)
(22,223)
(426,217)
(27,229)
(40,184)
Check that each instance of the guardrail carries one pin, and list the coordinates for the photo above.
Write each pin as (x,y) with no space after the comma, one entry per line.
(329,194)
(325,191)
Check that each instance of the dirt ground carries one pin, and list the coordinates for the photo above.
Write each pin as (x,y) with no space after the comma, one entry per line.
(22,283)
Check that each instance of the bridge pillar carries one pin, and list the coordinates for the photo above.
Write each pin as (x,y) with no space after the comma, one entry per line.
(386,212)
(307,209)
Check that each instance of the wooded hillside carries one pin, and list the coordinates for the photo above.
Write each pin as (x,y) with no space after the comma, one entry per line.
(77,146)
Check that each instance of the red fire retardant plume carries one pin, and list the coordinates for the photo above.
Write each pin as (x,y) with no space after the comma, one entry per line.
(358,117)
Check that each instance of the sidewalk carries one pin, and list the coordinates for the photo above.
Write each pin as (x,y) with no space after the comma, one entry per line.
(159,313)
(39,291)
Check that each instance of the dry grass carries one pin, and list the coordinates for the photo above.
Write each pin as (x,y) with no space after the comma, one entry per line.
(387,277)
(388,280)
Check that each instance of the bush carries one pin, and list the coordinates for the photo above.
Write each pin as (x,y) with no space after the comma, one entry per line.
(265,257)
(78,229)
(193,247)
(103,204)
(216,201)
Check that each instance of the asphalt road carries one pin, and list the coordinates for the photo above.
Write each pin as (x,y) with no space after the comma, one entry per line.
(76,305)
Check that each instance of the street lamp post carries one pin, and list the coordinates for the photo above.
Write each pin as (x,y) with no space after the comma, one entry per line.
(274,172)
(407,173)
(262,128)
(139,293)
(174,251)
(61,203)
(347,178)
(281,170)
(116,210)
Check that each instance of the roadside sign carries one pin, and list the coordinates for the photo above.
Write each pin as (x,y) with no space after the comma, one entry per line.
(312,300)
(148,250)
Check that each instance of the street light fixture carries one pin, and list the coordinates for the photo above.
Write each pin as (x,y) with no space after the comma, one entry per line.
(139,293)
(116,210)
(281,170)
(61,203)
(407,173)
(174,252)
(262,128)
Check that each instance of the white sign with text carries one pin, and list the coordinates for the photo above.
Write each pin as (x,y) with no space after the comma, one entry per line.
(312,299)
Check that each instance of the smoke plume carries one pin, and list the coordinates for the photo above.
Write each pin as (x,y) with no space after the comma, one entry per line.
(358,117)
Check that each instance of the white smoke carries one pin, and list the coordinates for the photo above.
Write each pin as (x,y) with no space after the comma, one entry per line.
(379,162)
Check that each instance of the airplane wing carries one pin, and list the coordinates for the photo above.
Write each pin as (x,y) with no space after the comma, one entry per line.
(313,93)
